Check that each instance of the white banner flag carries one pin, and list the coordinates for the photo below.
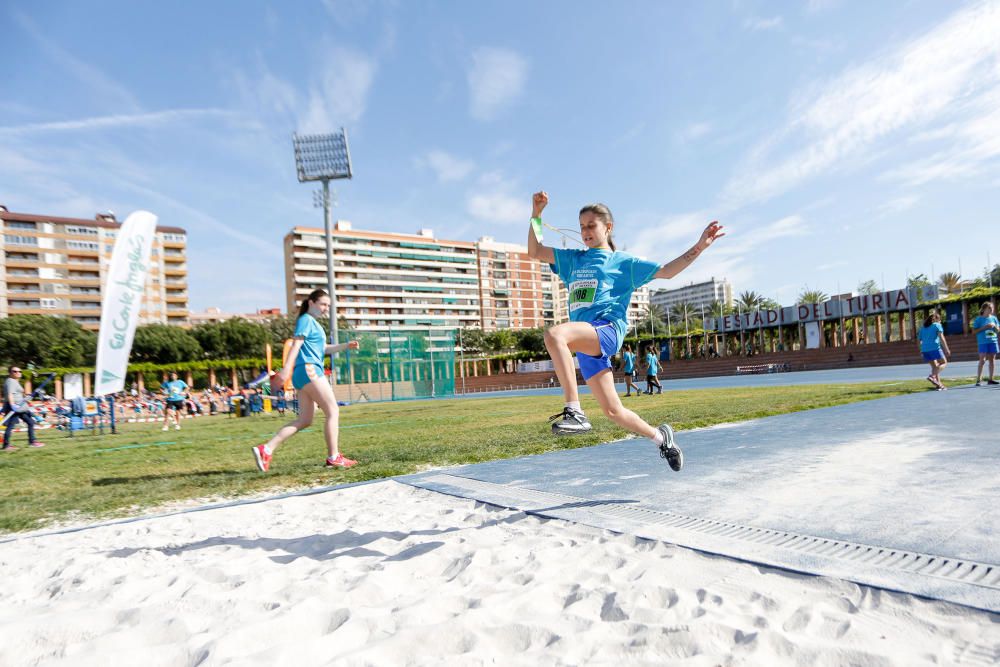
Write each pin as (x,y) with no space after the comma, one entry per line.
(123,291)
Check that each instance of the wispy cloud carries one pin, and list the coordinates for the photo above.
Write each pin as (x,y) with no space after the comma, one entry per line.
(103,87)
(496,79)
(151,119)
(269,251)
(693,132)
(340,96)
(908,88)
(817,6)
(898,204)
(497,200)
(446,166)
(756,23)
(970,148)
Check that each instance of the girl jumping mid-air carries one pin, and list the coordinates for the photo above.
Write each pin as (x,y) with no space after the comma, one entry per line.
(306,357)
(600,282)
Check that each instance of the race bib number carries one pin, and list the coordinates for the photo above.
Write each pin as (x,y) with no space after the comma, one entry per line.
(581,294)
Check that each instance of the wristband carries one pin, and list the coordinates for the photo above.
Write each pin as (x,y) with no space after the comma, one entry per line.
(536,226)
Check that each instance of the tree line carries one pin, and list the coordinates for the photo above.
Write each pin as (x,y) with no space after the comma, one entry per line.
(48,341)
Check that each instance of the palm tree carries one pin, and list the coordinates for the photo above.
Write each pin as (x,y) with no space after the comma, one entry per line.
(682,313)
(868,287)
(652,321)
(749,300)
(951,282)
(719,309)
(812,296)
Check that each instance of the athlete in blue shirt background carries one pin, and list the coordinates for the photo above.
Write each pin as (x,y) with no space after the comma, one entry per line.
(931,341)
(306,358)
(628,366)
(652,368)
(600,282)
(175,391)
(985,327)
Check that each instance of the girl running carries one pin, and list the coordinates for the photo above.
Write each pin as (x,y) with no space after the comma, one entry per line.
(306,356)
(652,368)
(932,340)
(628,360)
(600,282)
(985,327)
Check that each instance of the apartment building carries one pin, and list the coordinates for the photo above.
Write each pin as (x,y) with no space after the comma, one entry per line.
(419,282)
(53,265)
(214,315)
(511,290)
(697,295)
(388,281)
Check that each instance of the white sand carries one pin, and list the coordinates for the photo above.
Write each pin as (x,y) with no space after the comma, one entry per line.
(385,574)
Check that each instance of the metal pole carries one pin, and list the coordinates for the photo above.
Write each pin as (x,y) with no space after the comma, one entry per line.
(461,356)
(430,351)
(329,268)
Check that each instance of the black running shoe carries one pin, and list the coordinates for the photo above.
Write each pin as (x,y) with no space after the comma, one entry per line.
(669,449)
(572,422)
(992,382)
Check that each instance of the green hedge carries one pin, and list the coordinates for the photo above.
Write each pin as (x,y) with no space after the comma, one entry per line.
(147,367)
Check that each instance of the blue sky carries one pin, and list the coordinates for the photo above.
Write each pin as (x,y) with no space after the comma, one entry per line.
(837,141)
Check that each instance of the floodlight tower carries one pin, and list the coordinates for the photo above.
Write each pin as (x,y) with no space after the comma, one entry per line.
(324,157)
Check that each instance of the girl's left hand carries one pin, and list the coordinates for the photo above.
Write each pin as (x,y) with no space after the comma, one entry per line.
(711,233)
(353,345)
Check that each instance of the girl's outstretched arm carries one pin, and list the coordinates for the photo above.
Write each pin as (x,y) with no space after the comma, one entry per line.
(708,237)
(535,249)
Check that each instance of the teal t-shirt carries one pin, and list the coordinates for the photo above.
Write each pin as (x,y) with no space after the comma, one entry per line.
(930,337)
(629,360)
(600,283)
(652,363)
(987,335)
(175,389)
(309,330)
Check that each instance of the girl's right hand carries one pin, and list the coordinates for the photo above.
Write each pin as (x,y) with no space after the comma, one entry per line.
(538,203)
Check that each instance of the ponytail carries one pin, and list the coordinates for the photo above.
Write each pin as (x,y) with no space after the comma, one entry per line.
(313,296)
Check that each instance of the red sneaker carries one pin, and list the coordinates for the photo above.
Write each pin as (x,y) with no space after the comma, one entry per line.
(340,461)
(36,444)
(262,457)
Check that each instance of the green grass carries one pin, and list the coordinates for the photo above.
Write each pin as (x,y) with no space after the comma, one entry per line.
(98,477)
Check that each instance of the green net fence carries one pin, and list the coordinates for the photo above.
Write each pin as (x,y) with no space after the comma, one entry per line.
(397,366)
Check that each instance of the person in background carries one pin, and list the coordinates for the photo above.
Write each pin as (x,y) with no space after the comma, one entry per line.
(934,347)
(16,408)
(985,327)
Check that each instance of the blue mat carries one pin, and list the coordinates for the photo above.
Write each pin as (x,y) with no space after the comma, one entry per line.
(896,493)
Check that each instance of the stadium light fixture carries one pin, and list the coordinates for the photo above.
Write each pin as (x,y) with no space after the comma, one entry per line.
(324,157)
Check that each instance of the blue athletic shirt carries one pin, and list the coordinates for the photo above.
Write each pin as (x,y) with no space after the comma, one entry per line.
(930,337)
(629,359)
(309,330)
(653,364)
(175,389)
(600,283)
(987,335)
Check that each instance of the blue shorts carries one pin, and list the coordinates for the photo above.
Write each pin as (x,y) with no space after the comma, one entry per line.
(607,337)
(989,348)
(933,355)
(306,373)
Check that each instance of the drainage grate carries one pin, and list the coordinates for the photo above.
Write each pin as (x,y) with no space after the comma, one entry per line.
(543,503)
